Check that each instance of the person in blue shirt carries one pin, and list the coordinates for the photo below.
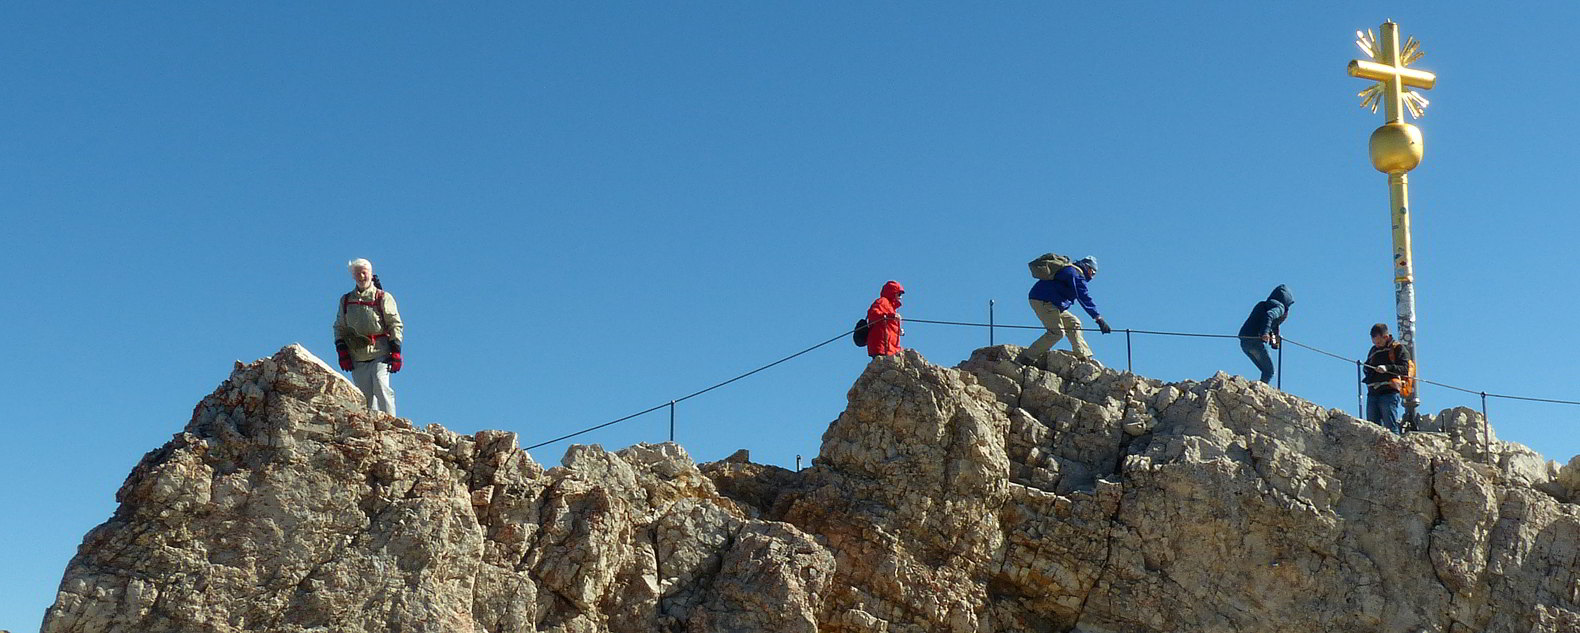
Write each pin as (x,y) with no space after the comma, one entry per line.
(1051,300)
(1261,329)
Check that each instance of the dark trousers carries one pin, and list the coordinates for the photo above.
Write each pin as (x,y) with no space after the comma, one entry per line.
(1383,408)
(1257,351)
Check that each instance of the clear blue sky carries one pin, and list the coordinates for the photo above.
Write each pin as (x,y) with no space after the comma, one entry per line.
(587,209)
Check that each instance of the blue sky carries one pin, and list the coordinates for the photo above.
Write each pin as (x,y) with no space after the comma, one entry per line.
(589,209)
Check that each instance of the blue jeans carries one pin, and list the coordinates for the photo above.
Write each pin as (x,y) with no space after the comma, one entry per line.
(1257,351)
(1383,409)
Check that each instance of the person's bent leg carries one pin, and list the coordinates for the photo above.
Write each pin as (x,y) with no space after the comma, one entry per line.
(1257,351)
(1072,328)
(1049,315)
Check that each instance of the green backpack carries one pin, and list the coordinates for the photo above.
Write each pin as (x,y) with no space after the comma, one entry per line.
(1048,265)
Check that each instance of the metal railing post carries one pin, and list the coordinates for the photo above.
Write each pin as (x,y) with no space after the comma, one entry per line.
(671,420)
(990,322)
(1130,365)
(1280,383)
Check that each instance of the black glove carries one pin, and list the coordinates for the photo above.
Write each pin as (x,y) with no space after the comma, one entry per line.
(1103,325)
(345,354)
(395,360)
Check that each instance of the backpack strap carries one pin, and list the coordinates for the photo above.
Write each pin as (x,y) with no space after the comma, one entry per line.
(377,303)
(1400,382)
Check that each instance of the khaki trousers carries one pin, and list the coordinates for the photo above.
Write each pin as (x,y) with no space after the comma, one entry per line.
(1056,320)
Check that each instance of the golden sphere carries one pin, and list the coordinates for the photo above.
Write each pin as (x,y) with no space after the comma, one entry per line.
(1396,148)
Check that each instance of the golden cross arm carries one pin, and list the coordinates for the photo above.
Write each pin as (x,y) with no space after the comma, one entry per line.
(1383,72)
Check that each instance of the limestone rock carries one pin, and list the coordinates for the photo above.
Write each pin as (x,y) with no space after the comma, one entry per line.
(285,506)
(987,497)
(1569,478)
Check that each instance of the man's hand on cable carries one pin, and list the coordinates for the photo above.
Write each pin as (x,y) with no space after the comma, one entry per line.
(1103,325)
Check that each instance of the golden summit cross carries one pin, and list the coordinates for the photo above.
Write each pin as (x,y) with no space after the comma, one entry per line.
(1388,67)
(1396,148)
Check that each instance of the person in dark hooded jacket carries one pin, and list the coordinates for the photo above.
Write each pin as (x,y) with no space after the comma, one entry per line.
(883,319)
(1261,329)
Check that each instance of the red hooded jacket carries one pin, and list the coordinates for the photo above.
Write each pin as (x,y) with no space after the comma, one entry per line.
(883,318)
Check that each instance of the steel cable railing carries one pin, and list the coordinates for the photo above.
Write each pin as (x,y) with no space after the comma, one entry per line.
(1359,365)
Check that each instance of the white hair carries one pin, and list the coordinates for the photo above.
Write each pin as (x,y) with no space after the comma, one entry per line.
(358,263)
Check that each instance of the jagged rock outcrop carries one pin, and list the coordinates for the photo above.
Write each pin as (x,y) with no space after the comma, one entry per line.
(988,497)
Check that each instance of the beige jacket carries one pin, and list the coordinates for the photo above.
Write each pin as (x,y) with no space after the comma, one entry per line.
(357,324)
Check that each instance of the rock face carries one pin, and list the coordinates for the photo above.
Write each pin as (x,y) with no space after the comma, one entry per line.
(985,498)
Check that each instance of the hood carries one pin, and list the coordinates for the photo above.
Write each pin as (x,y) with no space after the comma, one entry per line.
(891,291)
(1282,295)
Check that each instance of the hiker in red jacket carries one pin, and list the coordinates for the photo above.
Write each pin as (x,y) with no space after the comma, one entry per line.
(884,320)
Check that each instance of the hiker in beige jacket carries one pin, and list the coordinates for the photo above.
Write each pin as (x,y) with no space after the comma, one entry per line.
(368,335)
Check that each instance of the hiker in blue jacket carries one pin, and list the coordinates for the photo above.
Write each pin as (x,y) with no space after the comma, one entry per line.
(1051,299)
(1261,329)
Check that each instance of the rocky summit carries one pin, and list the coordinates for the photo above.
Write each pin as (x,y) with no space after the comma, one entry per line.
(988,497)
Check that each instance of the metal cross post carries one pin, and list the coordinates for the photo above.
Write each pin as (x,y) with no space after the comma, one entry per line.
(1396,148)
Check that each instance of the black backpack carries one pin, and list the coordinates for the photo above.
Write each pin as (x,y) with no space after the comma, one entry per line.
(859,335)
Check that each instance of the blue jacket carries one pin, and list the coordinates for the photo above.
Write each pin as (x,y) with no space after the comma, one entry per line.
(1066,287)
(1267,315)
